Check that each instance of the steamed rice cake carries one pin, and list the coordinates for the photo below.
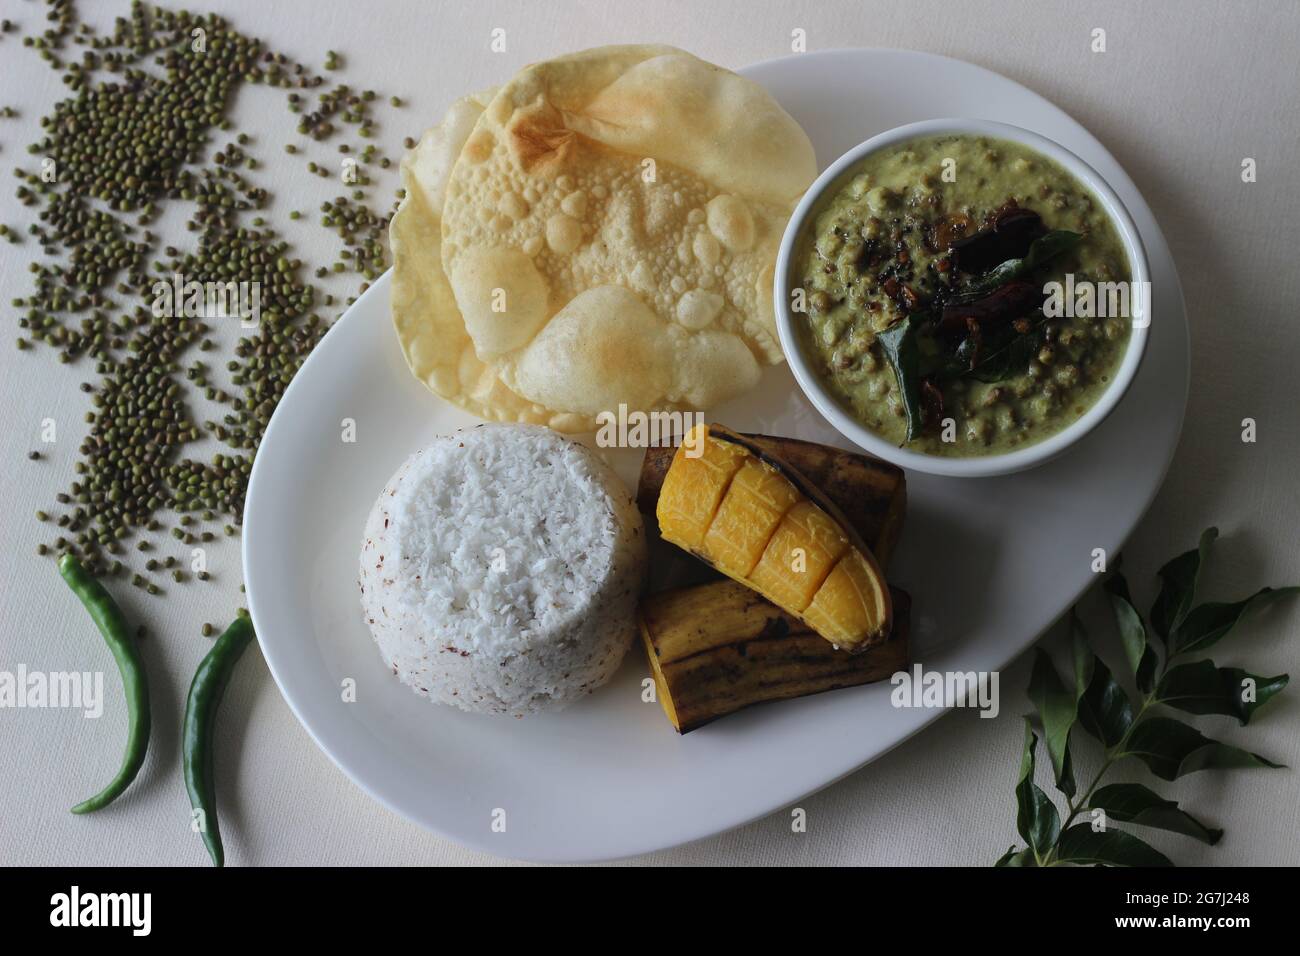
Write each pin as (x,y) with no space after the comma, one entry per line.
(500,570)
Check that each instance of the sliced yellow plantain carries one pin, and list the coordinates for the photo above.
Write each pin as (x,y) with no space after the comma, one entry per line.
(851,593)
(693,489)
(750,512)
(806,546)
(811,549)
(870,493)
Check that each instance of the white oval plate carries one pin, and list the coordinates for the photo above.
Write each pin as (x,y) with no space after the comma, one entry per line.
(990,563)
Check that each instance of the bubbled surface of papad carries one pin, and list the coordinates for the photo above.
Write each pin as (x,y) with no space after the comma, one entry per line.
(610,229)
(438,350)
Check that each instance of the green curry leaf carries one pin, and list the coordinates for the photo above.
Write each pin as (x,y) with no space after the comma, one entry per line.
(1206,624)
(1014,857)
(1036,820)
(899,344)
(1173,749)
(1132,632)
(1202,688)
(1105,710)
(1134,803)
(1178,586)
(1056,708)
(1083,845)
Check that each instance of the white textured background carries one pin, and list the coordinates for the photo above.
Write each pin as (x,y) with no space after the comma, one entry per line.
(1185,91)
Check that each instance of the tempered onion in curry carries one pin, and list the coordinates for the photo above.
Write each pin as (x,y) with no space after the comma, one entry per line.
(924,274)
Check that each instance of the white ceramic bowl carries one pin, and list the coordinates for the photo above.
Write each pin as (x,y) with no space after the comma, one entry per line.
(982,466)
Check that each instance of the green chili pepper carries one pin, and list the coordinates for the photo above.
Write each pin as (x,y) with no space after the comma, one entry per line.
(200,723)
(112,624)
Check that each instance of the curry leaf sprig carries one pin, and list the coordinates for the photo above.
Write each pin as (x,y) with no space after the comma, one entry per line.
(1166,679)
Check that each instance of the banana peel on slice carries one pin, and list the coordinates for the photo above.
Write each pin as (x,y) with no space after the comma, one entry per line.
(719,647)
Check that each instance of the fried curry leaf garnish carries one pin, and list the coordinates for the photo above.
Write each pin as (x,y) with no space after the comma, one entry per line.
(1012,233)
(899,343)
(1009,360)
(1009,301)
(920,348)
(1046,247)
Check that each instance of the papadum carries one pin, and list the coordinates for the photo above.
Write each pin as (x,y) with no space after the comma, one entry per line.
(608,233)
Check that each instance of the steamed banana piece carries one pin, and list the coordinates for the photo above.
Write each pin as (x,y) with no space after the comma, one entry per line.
(748,515)
(719,647)
(756,519)
(871,494)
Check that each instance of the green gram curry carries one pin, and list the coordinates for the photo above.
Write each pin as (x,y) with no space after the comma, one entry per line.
(923,277)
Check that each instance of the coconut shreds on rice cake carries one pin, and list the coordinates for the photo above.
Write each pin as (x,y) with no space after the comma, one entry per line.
(500,570)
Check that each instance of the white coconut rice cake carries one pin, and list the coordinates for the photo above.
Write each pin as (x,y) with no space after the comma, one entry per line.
(500,570)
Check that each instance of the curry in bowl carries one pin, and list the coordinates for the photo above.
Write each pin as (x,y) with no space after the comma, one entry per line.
(963,295)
